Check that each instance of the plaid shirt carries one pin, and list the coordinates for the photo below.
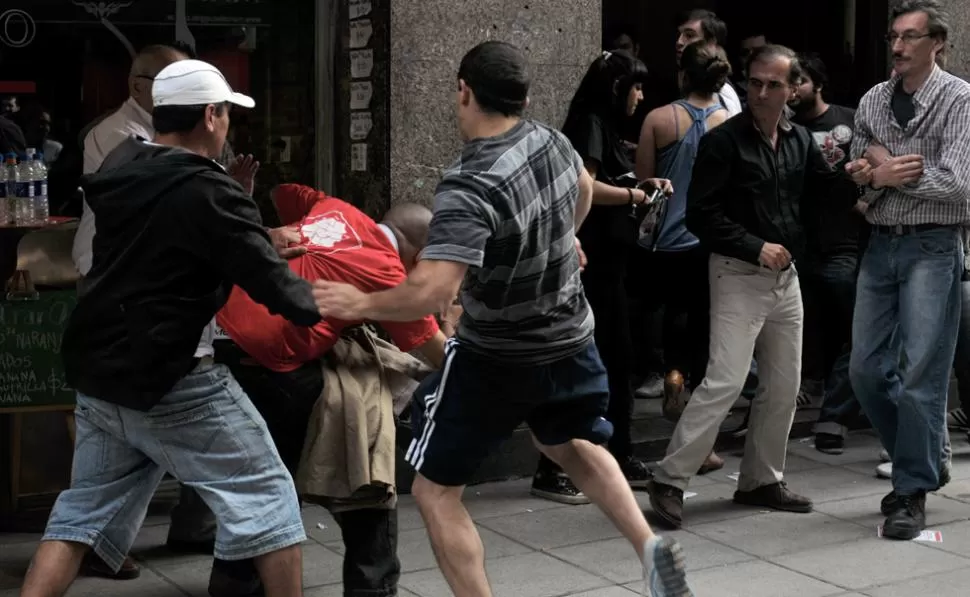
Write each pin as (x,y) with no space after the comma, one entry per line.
(940,132)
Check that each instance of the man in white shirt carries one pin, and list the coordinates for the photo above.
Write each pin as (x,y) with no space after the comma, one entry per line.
(703,26)
(132,118)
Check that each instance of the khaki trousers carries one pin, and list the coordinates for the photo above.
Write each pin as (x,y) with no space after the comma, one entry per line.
(752,308)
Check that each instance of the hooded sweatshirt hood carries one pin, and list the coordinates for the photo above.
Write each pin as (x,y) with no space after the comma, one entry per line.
(294,202)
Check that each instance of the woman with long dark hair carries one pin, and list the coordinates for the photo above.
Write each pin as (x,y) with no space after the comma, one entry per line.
(607,96)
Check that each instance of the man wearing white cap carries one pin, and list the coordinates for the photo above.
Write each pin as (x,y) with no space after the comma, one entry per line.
(175,233)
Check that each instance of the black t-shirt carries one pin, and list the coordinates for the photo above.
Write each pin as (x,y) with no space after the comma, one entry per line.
(904,109)
(831,230)
(597,141)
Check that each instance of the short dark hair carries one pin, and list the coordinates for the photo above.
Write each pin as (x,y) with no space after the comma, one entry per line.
(814,68)
(184,48)
(498,74)
(613,35)
(706,70)
(938,20)
(181,119)
(772,52)
(712,27)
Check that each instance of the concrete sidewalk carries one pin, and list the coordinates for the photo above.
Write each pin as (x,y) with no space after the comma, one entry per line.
(540,549)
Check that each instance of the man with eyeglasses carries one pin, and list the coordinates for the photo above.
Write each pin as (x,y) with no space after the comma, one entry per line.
(908,300)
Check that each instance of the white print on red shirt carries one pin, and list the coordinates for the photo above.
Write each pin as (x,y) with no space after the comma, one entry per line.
(330,233)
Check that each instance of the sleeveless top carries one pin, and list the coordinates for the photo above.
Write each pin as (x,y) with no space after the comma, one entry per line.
(675,162)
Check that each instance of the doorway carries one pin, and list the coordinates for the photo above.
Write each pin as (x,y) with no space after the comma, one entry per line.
(847,34)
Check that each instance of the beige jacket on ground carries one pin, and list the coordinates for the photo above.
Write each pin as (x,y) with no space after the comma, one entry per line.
(348,460)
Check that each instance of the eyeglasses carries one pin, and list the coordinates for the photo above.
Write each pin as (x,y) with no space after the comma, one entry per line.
(907,38)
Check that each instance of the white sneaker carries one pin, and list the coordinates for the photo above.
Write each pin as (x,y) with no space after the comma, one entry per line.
(664,569)
(885,470)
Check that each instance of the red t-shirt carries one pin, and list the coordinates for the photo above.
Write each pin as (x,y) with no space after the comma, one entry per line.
(343,245)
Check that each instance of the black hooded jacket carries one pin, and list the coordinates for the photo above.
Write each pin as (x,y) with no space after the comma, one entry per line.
(174,234)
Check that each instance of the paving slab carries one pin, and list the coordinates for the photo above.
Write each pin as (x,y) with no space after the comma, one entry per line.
(757,579)
(949,584)
(874,562)
(615,559)
(779,533)
(539,574)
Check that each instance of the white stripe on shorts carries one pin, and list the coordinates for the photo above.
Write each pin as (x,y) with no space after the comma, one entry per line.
(415,453)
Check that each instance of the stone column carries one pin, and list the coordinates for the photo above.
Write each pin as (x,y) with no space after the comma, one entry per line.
(958,54)
(428,40)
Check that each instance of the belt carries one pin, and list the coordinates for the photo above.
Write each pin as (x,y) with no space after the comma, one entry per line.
(905,229)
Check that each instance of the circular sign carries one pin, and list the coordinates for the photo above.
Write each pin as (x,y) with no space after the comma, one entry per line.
(17,28)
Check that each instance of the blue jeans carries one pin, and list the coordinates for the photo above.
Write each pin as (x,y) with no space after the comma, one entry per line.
(206,433)
(829,289)
(904,336)
(961,364)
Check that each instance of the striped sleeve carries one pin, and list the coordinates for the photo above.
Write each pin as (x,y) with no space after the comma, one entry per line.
(462,224)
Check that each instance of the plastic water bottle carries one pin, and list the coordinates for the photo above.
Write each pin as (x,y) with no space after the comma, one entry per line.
(12,176)
(23,213)
(42,210)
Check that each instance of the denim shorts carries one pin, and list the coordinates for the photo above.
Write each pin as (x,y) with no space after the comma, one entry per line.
(207,434)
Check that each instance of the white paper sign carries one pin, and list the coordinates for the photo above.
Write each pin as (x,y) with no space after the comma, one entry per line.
(358,157)
(361,63)
(361,93)
(359,8)
(689,494)
(925,536)
(360,125)
(734,476)
(360,32)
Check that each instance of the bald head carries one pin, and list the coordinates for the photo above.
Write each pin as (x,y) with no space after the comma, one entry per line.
(145,67)
(409,222)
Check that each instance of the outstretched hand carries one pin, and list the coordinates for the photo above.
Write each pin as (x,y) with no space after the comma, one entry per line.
(286,241)
(243,169)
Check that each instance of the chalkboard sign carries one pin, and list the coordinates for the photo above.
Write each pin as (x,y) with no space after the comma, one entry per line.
(31,373)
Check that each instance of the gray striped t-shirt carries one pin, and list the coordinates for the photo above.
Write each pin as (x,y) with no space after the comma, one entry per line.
(506,209)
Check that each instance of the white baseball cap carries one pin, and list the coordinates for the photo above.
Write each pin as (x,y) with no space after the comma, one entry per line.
(194,83)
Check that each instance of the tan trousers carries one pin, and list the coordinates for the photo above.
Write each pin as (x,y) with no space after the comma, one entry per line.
(752,308)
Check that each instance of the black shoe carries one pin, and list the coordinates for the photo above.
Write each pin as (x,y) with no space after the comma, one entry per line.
(889,504)
(92,565)
(235,579)
(775,496)
(557,487)
(909,519)
(667,502)
(637,473)
(829,443)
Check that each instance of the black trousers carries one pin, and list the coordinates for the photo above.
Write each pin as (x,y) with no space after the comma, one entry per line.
(607,296)
(371,567)
(678,283)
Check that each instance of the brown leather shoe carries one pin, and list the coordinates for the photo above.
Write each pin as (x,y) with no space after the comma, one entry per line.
(713,463)
(776,496)
(668,503)
(92,565)
(675,398)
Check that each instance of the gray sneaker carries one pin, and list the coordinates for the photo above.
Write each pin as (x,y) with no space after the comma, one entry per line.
(664,569)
